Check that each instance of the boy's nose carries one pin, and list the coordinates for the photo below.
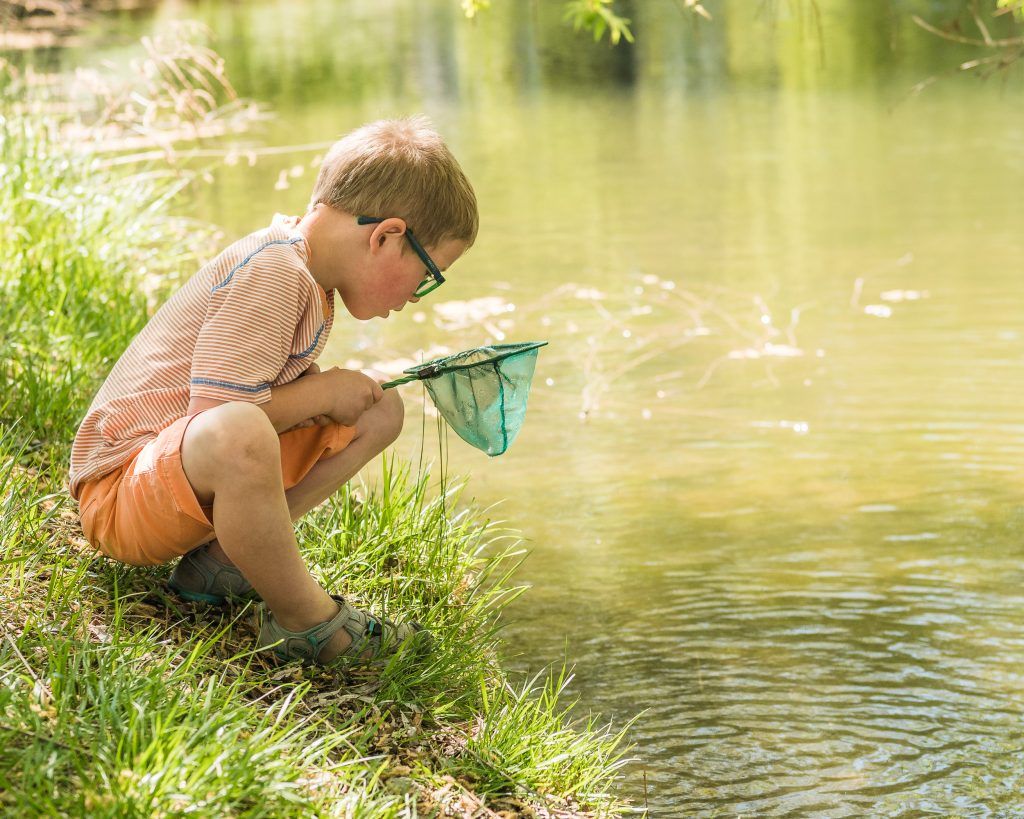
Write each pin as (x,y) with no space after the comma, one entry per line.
(414,299)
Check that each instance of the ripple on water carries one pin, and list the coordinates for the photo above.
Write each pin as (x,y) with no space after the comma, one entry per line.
(852,692)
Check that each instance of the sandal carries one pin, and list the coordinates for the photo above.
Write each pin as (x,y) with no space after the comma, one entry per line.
(379,635)
(201,578)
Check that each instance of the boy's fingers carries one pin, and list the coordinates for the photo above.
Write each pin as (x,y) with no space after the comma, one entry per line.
(379,377)
(316,420)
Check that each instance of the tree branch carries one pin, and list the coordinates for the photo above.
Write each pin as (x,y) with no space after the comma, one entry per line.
(957,38)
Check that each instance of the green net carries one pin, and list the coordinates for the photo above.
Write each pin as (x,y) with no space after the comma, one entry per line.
(481,393)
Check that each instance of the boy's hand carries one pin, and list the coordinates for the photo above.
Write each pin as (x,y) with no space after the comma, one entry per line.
(351,393)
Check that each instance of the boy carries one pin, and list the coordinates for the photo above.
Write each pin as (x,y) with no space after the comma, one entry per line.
(216,430)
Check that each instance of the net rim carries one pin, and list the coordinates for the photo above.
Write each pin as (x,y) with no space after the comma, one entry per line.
(512,350)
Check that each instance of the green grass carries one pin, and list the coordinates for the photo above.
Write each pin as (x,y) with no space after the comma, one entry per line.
(119,699)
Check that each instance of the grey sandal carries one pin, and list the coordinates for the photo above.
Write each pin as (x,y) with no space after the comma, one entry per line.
(200,578)
(380,636)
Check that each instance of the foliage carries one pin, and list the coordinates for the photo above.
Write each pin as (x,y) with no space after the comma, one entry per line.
(597,17)
(83,215)
(1016,7)
(471,7)
(984,16)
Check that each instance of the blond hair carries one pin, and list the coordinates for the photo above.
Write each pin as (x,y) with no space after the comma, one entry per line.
(400,167)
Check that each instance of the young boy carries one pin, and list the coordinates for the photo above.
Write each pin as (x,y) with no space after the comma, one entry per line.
(216,430)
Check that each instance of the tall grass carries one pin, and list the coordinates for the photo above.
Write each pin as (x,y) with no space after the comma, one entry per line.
(75,249)
(117,699)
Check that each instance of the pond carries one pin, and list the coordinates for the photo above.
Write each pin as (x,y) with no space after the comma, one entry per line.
(769,479)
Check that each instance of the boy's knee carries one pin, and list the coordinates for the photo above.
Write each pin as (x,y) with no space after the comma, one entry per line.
(385,419)
(394,414)
(237,433)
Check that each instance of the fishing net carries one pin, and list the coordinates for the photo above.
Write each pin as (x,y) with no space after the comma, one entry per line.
(481,393)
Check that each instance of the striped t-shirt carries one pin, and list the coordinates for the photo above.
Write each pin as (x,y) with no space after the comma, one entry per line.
(251,319)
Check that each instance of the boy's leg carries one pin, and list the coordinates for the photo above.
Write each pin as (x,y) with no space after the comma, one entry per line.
(233,449)
(376,429)
(231,457)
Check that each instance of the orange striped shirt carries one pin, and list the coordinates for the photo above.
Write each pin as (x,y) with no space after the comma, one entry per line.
(251,319)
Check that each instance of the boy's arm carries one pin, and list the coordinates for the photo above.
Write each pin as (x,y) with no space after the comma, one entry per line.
(246,338)
(289,404)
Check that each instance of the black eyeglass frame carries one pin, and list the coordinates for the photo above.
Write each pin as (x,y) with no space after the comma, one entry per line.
(433,279)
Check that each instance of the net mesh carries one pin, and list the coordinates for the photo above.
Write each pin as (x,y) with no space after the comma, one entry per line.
(482,393)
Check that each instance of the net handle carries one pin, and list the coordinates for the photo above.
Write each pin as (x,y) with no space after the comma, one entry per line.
(436,369)
(425,372)
(387,385)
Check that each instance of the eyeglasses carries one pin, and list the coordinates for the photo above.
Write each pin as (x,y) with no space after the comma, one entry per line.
(433,279)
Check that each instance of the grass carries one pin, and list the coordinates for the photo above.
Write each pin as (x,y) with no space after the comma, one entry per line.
(119,699)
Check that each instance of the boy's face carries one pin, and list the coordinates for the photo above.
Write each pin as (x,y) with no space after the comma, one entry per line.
(393,274)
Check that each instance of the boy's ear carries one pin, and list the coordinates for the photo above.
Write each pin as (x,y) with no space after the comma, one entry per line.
(392,227)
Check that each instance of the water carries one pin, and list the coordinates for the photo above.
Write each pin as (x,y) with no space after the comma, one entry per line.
(770,476)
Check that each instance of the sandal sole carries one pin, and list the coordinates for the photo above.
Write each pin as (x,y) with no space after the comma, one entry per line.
(203,597)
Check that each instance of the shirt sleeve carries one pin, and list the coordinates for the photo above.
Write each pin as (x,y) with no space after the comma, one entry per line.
(246,337)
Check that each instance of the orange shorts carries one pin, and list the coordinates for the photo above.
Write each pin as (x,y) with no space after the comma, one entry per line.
(145,511)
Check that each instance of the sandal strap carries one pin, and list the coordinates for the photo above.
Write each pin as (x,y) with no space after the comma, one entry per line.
(200,576)
(213,570)
(376,634)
